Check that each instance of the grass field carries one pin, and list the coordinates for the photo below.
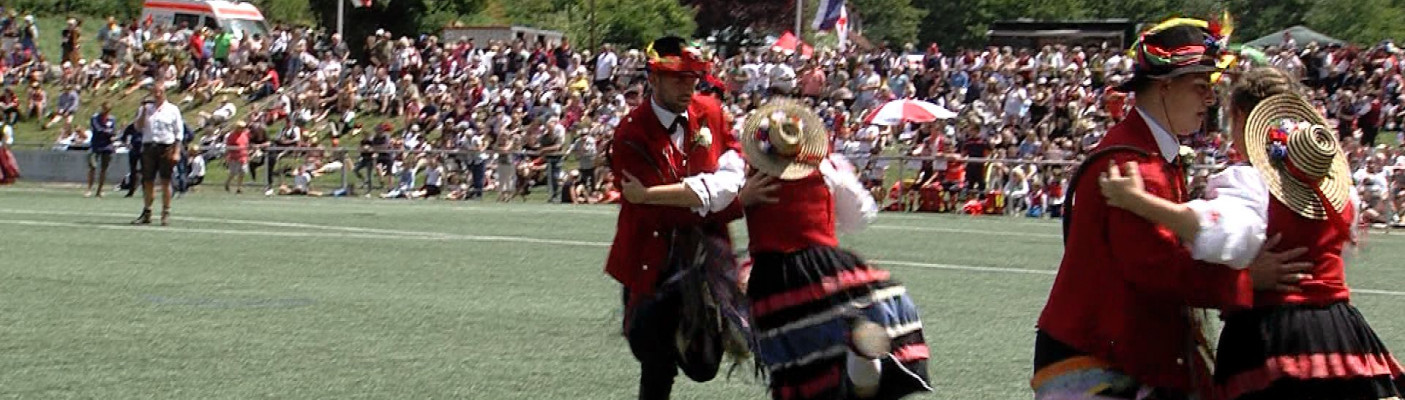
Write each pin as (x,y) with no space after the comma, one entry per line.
(249,296)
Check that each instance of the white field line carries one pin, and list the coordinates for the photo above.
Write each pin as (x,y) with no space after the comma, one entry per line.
(378,235)
(381,234)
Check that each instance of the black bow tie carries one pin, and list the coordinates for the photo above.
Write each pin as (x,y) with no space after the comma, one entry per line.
(681,120)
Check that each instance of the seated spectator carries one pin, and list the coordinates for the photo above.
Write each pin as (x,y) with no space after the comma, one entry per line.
(302,184)
(433,180)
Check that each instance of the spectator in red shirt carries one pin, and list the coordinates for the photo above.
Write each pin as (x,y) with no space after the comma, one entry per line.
(268,85)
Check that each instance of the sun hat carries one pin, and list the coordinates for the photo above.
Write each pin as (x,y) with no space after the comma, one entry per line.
(785,139)
(1177,47)
(1299,156)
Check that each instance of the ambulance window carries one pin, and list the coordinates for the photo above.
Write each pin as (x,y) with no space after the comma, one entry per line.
(189,20)
(213,24)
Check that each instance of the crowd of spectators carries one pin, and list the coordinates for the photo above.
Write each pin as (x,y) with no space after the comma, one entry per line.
(417,117)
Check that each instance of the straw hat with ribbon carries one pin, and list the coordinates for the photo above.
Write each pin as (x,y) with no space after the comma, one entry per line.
(1299,157)
(785,139)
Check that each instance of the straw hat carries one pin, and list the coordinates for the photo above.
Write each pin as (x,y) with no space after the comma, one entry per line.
(1299,157)
(785,139)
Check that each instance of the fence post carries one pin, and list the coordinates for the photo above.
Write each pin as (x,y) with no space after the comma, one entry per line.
(902,189)
(268,168)
(344,187)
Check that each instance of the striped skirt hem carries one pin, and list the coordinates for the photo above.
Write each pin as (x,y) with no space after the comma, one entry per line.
(803,305)
(1305,352)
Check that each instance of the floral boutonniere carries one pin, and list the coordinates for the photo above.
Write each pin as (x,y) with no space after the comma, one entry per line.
(704,137)
(1185,158)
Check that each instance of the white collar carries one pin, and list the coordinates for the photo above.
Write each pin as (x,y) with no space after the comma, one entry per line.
(666,117)
(1165,141)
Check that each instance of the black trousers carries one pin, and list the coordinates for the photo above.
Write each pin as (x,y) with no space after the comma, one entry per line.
(650,329)
(133,169)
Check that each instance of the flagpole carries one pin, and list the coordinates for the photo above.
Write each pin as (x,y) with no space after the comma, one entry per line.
(799,10)
(341,16)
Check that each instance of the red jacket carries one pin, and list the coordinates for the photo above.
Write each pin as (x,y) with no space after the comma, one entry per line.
(640,246)
(1124,284)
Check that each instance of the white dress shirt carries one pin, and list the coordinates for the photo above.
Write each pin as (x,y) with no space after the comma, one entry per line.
(164,124)
(1166,141)
(718,189)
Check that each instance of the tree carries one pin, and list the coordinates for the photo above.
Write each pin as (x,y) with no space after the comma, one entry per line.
(895,21)
(718,15)
(637,22)
(1256,18)
(1362,21)
(287,11)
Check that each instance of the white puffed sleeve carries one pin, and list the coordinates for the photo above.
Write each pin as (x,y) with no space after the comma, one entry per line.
(854,207)
(718,189)
(1233,218)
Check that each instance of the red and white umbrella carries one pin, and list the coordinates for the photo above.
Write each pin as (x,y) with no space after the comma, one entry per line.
(900,111)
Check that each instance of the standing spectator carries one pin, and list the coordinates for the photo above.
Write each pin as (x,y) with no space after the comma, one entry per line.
(111,37)
(70,42)
(29,32)
(9,169)
(104,128)
(223,41)
(132,136)
(552,142)
(477,146)
(236,150)
(162,127)
(584,149)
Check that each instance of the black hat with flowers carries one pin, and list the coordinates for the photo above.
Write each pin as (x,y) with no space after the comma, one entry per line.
(1177,47)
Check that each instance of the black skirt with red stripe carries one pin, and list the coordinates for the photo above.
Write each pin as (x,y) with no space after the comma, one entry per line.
(1304,352)
(9,168)
(802,305)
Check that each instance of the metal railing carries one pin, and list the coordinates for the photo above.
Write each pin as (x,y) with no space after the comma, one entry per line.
(348,171)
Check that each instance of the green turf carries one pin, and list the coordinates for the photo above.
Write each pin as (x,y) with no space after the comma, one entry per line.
(249,296)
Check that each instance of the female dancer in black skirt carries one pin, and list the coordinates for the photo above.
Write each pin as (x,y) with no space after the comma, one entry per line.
(1306,344)
(828,325)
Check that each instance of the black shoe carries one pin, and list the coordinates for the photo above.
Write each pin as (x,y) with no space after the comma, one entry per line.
(143,219)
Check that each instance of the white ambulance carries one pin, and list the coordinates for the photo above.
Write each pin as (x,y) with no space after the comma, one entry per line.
(243,19)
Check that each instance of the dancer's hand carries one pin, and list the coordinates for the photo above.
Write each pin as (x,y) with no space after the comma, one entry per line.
(633,191)
(759,189)
(1122,186)
(1273,271)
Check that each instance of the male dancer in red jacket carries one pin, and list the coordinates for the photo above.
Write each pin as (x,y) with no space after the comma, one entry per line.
(679,167)
(1118,323)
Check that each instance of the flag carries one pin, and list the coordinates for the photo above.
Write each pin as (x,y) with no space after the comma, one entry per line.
(841,26)
(827,14)
(787,43)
